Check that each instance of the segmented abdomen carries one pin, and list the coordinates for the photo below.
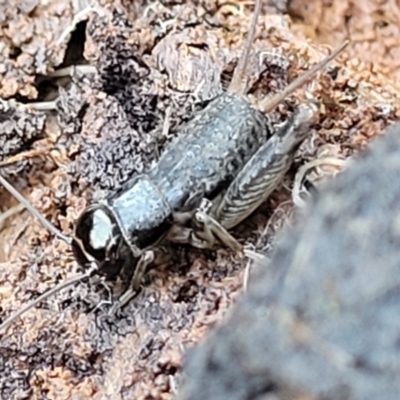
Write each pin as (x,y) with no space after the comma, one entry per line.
(210,150)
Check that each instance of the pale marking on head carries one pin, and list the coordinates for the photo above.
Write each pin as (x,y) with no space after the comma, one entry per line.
(101,232)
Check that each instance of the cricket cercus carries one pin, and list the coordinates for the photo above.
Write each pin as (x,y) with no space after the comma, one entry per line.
(222,165)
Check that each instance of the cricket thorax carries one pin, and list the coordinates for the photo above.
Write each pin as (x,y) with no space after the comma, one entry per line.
(142,211)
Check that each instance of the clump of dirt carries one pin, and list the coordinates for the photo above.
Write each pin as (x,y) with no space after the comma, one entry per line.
(155,67)
(20,128)
(371,25)
(34,37)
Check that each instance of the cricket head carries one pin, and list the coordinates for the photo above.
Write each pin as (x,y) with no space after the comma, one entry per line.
(96,245)
(99,241)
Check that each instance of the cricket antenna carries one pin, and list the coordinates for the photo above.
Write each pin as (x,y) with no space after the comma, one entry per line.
(47,224)
(68,282)
(236,85)
(268,105)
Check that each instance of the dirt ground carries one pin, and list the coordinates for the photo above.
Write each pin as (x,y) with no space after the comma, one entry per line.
(155,66)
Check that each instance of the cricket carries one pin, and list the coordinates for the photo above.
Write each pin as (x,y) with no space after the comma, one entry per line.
(222,165)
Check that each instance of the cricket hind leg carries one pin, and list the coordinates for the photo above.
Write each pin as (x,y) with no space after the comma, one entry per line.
(212,230)
(259,177)
(203,229)
(209,229)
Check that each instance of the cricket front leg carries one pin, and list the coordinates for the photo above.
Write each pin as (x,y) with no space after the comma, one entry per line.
(152,257)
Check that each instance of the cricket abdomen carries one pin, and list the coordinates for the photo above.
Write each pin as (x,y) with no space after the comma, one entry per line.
(210,150)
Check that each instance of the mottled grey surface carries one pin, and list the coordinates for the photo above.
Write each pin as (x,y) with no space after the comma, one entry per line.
(323,318)
(19,129)
(210,150)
